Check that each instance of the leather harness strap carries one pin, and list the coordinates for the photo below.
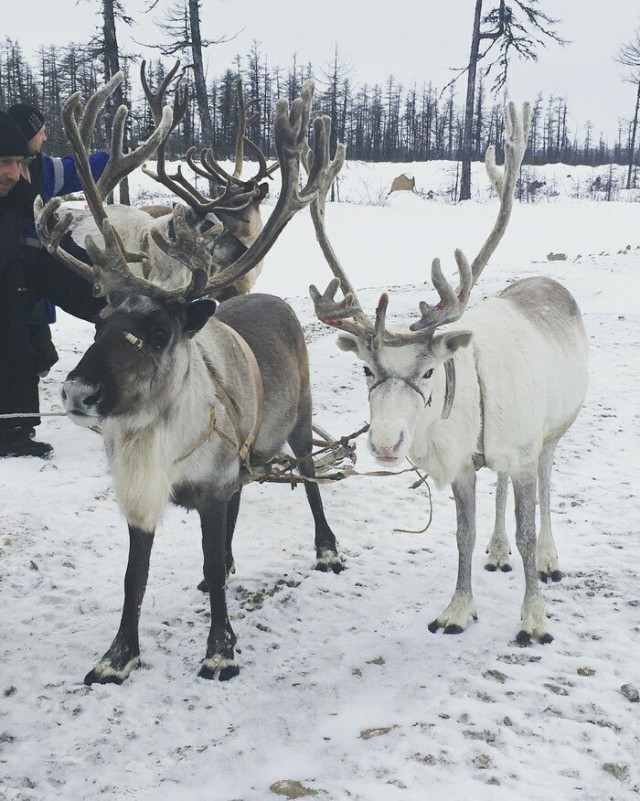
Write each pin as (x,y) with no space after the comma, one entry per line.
(254,370)
(449,392)
(450,387)
(242,445)
(478,457)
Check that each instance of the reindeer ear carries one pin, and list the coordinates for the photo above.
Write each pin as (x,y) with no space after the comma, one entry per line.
(264,191)
(197,313)
(445,345)
(347,342)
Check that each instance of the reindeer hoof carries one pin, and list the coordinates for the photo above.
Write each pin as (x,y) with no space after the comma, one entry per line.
(229,672)
(105,672)
(329,563)
(222,667)
(453,629)
(203,586)
(554,575)
(223,674)
(545,639)
(491,567)
(95,677)
(433,626)
(206,673)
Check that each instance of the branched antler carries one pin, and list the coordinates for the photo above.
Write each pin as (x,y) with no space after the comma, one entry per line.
(111,274)
(290,135)
(517,125)
(347,314)
(234,193)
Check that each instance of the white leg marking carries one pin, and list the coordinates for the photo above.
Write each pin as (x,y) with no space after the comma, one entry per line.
(461,608)
(105,670)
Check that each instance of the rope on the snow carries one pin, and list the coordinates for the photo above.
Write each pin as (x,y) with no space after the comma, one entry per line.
(17,415)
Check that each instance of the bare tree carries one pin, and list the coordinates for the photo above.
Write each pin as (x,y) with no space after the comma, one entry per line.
(334,102)
(182,30)
(515,26)
(104,45)
(628,55)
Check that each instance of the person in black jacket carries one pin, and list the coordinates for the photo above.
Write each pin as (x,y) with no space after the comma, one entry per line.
(27,274)
(31,122)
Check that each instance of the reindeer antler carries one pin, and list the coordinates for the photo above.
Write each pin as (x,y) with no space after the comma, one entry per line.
(111,273)
(347,314)
(517,125)
(235,194)
(290,132)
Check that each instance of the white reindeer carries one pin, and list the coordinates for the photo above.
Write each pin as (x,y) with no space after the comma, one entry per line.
(499,389)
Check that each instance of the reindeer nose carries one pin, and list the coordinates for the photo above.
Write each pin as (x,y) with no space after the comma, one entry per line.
(92,399)
(80,398)
(386,452)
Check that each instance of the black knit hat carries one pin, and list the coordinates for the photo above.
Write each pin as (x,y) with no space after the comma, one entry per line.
(12,142)
(28,118)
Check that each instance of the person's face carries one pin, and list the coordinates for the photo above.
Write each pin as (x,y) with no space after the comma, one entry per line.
(10,172)
(36,142)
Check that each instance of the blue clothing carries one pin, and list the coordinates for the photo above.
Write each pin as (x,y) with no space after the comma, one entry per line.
(61,176)
(54,177)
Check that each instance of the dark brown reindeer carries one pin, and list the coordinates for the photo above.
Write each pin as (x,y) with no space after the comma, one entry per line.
(189,393)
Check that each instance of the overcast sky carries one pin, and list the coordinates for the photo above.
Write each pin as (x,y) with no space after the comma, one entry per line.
(415,40)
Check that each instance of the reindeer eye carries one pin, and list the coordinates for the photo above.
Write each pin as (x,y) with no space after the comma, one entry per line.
(368,372)
(428,374)
(159,338)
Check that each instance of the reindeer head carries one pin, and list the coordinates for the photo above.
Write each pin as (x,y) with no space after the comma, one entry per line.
(405,384)
(137,364)
(135,361)
(411,373)
(234,200)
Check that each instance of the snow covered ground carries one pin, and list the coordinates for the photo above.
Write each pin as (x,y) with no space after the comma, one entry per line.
(343,693)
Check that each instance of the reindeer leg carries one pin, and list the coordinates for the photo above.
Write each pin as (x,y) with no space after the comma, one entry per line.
(220,658)
(534,616)
(498,549)
(455,617)
(232,515)
(124,653)
(546,554)
(300,441)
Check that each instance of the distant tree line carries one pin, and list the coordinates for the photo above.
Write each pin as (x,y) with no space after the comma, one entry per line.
(389,122)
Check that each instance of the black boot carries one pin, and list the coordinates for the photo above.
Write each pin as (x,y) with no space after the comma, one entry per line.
(21,444)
